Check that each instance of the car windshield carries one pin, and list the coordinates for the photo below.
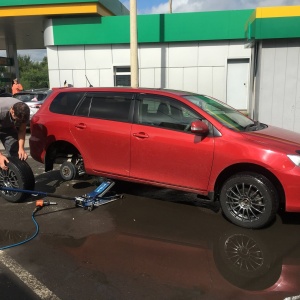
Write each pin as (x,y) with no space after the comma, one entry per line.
(225,114)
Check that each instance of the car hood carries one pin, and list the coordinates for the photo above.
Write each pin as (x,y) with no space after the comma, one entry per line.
(276,137)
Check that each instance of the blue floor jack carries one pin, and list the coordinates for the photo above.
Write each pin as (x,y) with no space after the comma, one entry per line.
(88,201)
(97,197)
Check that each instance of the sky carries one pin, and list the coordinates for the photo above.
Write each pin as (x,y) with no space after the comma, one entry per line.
(163,7)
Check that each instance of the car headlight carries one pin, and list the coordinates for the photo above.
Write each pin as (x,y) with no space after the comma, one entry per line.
(295,159)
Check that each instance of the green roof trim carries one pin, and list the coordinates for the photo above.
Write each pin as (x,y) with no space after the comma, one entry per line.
(90,30)
(179,27)
(271,28)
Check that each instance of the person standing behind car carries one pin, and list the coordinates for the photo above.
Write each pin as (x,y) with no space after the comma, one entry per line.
(16,87)
(14,116)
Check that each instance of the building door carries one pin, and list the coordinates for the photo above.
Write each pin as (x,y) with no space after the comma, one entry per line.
(237,83)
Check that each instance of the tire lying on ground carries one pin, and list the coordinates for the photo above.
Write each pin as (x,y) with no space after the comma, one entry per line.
(18,176)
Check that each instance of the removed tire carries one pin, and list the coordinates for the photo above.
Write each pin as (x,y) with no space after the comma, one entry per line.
(68,171)
(18,176)
(249,200)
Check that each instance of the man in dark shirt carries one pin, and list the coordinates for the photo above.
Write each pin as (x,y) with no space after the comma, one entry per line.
(14,116)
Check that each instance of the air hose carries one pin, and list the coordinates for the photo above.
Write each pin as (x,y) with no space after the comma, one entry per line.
(39,205)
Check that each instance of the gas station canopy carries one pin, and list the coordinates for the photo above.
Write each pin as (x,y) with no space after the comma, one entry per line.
(22,23)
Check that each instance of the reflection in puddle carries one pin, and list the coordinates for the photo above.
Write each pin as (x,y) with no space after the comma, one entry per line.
(165,244)
(246,261)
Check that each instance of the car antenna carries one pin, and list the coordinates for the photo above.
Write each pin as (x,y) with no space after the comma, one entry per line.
(88,81)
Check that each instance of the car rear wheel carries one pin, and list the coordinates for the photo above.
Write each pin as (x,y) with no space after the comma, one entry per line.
(249,200)
(18,176)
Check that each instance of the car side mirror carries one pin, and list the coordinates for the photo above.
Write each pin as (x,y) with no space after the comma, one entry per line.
(199,127)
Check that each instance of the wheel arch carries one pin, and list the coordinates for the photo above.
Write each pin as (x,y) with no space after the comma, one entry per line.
(246,167)
(58,152)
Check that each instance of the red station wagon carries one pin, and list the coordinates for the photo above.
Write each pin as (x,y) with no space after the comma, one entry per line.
(172,139)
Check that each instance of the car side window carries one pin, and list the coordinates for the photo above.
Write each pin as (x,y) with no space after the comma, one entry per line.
(83,109)
(108,106)
(165,112)
(65,103)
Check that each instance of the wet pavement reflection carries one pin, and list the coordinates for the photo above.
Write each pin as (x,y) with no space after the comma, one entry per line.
(152,244)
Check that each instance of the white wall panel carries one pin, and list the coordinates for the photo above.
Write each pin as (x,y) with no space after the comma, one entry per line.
(266,85)
(182,55)
(212,54)
(120,55)
(71,58)
(79,79)
(152,56)
(190,79)
(296,125)
(54,79)
(66,75)
(237,49)
(205,81)
(278,89)
(97,58)
(52,58)
(106,77)
(147,78)
(93,77)
(290,87)
(160,80)
(219,83)
(175,78)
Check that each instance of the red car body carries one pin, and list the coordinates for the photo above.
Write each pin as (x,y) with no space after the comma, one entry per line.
(167,157)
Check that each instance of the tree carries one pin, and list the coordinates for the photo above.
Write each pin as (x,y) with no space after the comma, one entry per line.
(3,80)
(33,75)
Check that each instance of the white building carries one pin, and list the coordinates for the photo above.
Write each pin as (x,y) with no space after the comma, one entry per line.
(247,58)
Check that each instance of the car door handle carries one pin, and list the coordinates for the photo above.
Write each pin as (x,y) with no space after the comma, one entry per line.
(141,135)
(80,126)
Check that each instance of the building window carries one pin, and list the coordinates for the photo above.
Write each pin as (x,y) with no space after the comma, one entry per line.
(122,76)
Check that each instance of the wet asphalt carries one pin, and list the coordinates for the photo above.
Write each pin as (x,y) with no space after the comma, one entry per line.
(152,244)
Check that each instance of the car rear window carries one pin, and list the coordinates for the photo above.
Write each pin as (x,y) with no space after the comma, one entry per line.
(65,103)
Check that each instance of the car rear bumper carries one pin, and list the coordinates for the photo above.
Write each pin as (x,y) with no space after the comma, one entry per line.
(37,150)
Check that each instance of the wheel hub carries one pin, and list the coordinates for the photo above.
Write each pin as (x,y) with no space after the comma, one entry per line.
(66,171)
(245,203)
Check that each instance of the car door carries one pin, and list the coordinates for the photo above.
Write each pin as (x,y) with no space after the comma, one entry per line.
(164,150)
(102,132)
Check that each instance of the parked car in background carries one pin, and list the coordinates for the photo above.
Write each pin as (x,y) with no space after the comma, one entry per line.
(34,98)
(173,139)
(3,93)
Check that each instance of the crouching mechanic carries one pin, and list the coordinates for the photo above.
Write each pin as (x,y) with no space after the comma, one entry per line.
(14,116)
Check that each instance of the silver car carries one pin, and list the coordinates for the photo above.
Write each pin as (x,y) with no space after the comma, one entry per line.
(33,98)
